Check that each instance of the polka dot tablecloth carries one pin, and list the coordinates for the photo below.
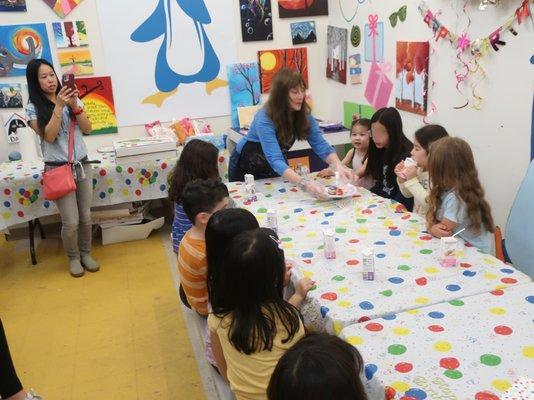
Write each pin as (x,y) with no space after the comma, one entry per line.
(21,197)
(471,348)
(408,274)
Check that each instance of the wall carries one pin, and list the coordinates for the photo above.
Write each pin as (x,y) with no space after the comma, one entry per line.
(87,10)
(499,133)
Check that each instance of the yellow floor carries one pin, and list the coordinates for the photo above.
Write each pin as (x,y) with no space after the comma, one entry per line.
(115,334)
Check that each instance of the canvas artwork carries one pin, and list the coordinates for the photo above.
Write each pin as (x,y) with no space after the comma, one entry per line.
(97,96)
(411,79)
(12,5)
(302,8)
(256,20)
(336,65)
(355,69)
(379,43)
(271,61)
(62,7)
(70,34)
(10,95)
(77,62)
(303,32)
(12,122)
(350,109)
(180,50)
(244,87)
(20,44)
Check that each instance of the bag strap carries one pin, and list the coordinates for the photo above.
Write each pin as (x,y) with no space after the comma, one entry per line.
(71,139)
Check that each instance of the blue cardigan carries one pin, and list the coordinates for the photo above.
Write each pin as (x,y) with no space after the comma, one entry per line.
(262,130)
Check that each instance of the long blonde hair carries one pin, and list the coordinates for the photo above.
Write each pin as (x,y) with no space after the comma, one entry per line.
(289,124)
(451,166)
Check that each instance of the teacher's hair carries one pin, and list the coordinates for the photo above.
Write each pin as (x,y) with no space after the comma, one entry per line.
(289,123)
(43,106)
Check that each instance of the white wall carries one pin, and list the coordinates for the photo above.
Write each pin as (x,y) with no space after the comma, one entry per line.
(499,133)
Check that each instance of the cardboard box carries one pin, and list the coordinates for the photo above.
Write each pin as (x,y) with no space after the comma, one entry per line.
(127,233)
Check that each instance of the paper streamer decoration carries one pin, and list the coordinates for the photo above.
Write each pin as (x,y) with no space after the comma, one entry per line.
(379,86)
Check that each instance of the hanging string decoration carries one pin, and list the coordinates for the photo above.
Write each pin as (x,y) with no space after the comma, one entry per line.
(469,50)
(349,20)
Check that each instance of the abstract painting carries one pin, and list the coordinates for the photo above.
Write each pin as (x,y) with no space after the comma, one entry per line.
(244,87)
(379,43)
(350,109)
(70,34)
(97,96)
(10,95)
(12,5)
(180,50)
(303,32)
(77,62)
(271,61)
(411,78)
(336,64)
(355,69)
(62,7)
(256,20)
(302,8)
(20,44)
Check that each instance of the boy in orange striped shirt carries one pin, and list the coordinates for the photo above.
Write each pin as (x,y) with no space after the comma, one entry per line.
(200,199)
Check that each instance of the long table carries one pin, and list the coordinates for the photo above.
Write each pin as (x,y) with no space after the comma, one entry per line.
(470,348)
(21,192)
(408,275)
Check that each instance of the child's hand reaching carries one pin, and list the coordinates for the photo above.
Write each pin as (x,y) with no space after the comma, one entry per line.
(302,288)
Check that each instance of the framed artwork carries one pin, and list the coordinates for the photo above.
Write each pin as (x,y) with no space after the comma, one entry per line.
(62,7)
(303,32)
(97,96)
(20,44)
(244,87)
(70,34)
(355,69)
(12,5)
(411,77)
(271,61)
(336,64)
(256,20)
(11,95)
(302,8)
(379,43)
(77,62)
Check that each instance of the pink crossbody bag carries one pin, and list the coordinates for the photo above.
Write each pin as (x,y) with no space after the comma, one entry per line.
(59,181)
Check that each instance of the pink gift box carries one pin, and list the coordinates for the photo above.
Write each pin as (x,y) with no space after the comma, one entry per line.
(379,86)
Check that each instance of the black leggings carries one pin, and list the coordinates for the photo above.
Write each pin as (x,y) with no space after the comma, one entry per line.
(9,382)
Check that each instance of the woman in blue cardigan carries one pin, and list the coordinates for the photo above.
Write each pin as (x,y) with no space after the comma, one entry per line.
(284,119)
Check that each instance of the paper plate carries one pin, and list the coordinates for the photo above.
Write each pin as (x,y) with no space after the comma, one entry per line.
(348,191)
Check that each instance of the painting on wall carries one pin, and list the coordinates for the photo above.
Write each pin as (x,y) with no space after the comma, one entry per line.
(411,79)
(10,95)
(12,122)
(62,7)
(378,43)
(271,61)
(355,69)
(302,8)
(97,96)
(256,20)
(77,62)
(20,44)
(351,109)
(180,50)
(303,32)
(244,87)
(12,5)
(336,65)
(70,34)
